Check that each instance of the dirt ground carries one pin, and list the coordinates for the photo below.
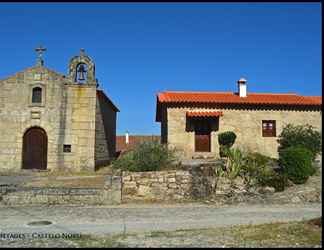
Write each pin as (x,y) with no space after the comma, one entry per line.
(82,179)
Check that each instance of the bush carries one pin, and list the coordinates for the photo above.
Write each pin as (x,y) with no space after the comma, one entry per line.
(147,156)
(254,168)
(273,179)
(234,163)
(253,164)
(259,159)
(125,162)
(300,135)
(257,170)
(297,164)
(225,140)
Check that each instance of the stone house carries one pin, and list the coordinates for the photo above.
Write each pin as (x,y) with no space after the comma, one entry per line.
(191,121)
(51,121)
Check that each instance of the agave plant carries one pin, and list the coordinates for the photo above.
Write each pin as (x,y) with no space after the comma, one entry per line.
(233,166)
(234,163)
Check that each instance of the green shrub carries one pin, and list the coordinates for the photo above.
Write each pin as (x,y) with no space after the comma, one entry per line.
(300,135)
(273,179)
(235,162)
(124,161)
(223,150)
(147,156)
(260,159)
(297,164)
(249,171)
(258,171)
(255,169)
(233,165)
(225,140)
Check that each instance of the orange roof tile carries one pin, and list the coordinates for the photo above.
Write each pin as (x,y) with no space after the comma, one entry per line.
(315,98)
(233,98)
(134,140)
(204,113)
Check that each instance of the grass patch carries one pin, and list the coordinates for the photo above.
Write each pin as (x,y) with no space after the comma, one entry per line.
(157,234)
(279,234)
(285,234)
(91,241)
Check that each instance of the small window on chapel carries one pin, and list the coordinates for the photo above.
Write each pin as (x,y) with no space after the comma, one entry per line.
(37,95)
(67,148)
(269,128)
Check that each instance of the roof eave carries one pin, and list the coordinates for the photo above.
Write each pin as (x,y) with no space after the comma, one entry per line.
(108,100)
(240,103)
(158,110)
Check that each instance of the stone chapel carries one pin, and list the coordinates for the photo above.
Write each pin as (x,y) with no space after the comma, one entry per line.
(51,121)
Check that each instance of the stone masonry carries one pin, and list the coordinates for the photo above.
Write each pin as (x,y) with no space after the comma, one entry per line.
(109,194)
(69,114)
(105,135)
(174,185)
(246,123)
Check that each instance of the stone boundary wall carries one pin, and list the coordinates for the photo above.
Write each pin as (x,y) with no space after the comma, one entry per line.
(197,182)
(174,185)
(110,194)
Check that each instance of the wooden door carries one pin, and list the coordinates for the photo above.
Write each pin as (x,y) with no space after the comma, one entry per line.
(202,136)
(35,149)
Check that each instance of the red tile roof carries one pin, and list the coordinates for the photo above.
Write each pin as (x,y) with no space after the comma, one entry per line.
(204,113)
(316,98)
(226,98)
(122,146)
(233,98)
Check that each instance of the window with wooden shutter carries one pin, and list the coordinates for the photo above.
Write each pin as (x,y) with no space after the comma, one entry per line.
(269,128)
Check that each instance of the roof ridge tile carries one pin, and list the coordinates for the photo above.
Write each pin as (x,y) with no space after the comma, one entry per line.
(232,97)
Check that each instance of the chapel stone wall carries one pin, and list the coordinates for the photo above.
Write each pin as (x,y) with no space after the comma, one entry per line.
(67,114)
(105,138)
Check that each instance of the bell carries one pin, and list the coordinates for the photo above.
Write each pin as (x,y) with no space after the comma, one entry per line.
(81,73)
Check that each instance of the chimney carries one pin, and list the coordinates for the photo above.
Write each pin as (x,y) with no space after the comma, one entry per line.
(242,87)
(127,137)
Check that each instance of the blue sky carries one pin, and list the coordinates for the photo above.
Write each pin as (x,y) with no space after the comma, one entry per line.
(141,49)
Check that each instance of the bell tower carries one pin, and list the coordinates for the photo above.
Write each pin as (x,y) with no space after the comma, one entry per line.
(82,69)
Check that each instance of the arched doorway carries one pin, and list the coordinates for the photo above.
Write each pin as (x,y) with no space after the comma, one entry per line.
(35,149)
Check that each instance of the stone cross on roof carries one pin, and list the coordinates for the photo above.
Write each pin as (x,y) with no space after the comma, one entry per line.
(82,52)
(40,50)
